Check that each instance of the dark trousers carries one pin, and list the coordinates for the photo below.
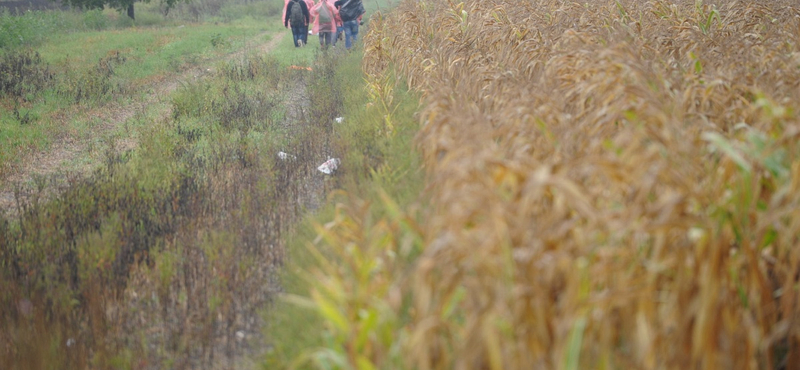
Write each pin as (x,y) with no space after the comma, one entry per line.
(325,39)
(305,35)
(350,33)
(339,31)
(299,34)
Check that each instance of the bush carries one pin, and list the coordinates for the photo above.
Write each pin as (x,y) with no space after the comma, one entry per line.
(93,84)
(240,107)
(95,19)
(28,29)
(23,74)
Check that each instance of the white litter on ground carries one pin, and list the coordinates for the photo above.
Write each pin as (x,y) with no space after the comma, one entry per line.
(339,119)
(286,156)
(329,166)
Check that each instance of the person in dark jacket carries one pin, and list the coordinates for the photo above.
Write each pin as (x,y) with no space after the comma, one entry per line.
(299,23)
(351,12)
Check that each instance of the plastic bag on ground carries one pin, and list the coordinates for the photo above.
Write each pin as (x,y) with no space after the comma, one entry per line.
(329,166)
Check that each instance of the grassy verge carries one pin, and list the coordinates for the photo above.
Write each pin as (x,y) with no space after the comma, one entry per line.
(55,81)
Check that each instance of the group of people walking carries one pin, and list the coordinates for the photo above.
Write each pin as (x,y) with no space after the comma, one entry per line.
(327,18)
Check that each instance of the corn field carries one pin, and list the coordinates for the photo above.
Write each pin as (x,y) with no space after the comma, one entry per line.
(609,185)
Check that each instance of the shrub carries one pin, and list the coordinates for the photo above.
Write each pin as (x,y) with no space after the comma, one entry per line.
(94,84)
(95,20)
(23,74)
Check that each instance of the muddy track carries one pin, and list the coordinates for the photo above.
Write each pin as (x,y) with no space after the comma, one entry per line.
(48,166)
(309,187)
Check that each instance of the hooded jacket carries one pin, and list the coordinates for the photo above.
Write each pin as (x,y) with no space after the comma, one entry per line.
(331,27)
(303,6)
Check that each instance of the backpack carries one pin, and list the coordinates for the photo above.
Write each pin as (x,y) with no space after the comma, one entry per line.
(324,13)
(350,10)
(296,17)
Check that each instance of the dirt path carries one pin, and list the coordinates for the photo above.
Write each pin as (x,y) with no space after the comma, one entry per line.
(311,152)
(49,165)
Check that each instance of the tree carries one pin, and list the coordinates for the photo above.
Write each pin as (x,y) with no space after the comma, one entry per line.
(120,5)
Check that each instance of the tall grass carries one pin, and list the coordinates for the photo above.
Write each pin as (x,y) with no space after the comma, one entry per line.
(611,184)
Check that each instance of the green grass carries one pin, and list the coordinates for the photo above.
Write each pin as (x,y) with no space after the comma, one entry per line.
(132,57)
(286,52)
(152,51)
(294,330)
(32,28)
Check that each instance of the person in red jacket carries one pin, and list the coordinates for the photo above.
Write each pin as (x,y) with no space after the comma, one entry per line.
(324,15)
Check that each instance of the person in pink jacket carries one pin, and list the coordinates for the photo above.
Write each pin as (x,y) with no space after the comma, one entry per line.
(324,15)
